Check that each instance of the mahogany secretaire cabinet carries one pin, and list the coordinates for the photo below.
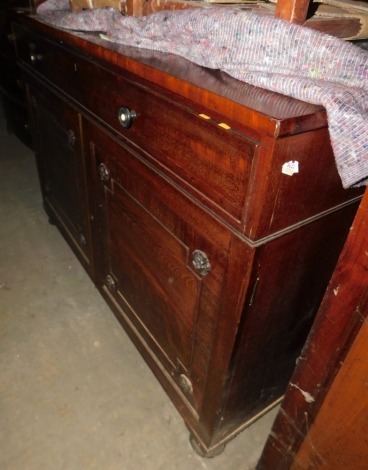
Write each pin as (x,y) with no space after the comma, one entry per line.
(174,186)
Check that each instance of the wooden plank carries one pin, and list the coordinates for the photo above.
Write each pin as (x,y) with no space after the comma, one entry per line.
(294,11)
(338,437)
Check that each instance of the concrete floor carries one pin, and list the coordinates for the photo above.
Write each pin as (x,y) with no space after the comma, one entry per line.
(74,392)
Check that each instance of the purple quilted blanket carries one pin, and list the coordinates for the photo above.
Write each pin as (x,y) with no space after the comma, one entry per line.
(259,50)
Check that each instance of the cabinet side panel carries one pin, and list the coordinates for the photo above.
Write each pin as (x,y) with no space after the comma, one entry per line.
(294,272)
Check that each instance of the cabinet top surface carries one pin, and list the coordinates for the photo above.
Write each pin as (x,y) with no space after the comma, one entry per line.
(216,91)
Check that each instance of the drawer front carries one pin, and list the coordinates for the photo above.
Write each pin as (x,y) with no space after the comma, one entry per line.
(207,157)
(213,162)
(163,269)
(48,60)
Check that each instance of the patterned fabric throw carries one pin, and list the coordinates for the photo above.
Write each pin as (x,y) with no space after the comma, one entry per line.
(260,50)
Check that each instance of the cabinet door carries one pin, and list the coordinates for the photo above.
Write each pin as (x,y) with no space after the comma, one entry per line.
(57,136)
(161,261)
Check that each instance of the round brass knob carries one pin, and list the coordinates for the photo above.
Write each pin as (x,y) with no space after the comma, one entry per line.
(110,282)
(82,239)
(71,137)
(104,173)
(126,116)
(201,262)
(35,58)
(185,384)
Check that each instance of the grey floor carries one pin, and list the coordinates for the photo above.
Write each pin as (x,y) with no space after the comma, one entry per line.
(74,392)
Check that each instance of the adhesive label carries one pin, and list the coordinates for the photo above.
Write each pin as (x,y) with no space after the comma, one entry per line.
(289,168)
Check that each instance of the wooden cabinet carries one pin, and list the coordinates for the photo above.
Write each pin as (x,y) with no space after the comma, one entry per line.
(167,180)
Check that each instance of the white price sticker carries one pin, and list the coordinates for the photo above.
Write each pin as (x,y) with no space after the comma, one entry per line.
(289,168)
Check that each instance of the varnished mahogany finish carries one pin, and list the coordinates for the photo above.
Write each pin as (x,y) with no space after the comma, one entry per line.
(58,146)
(198,174)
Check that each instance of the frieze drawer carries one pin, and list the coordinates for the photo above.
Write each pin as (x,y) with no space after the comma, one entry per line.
(188,144)
(49,60)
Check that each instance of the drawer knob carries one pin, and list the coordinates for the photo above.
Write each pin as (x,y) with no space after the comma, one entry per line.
(185,384)
(201,262)
(71,138)
(110,282)
(104,173)
(126,116)
(35,58)
(82,239)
